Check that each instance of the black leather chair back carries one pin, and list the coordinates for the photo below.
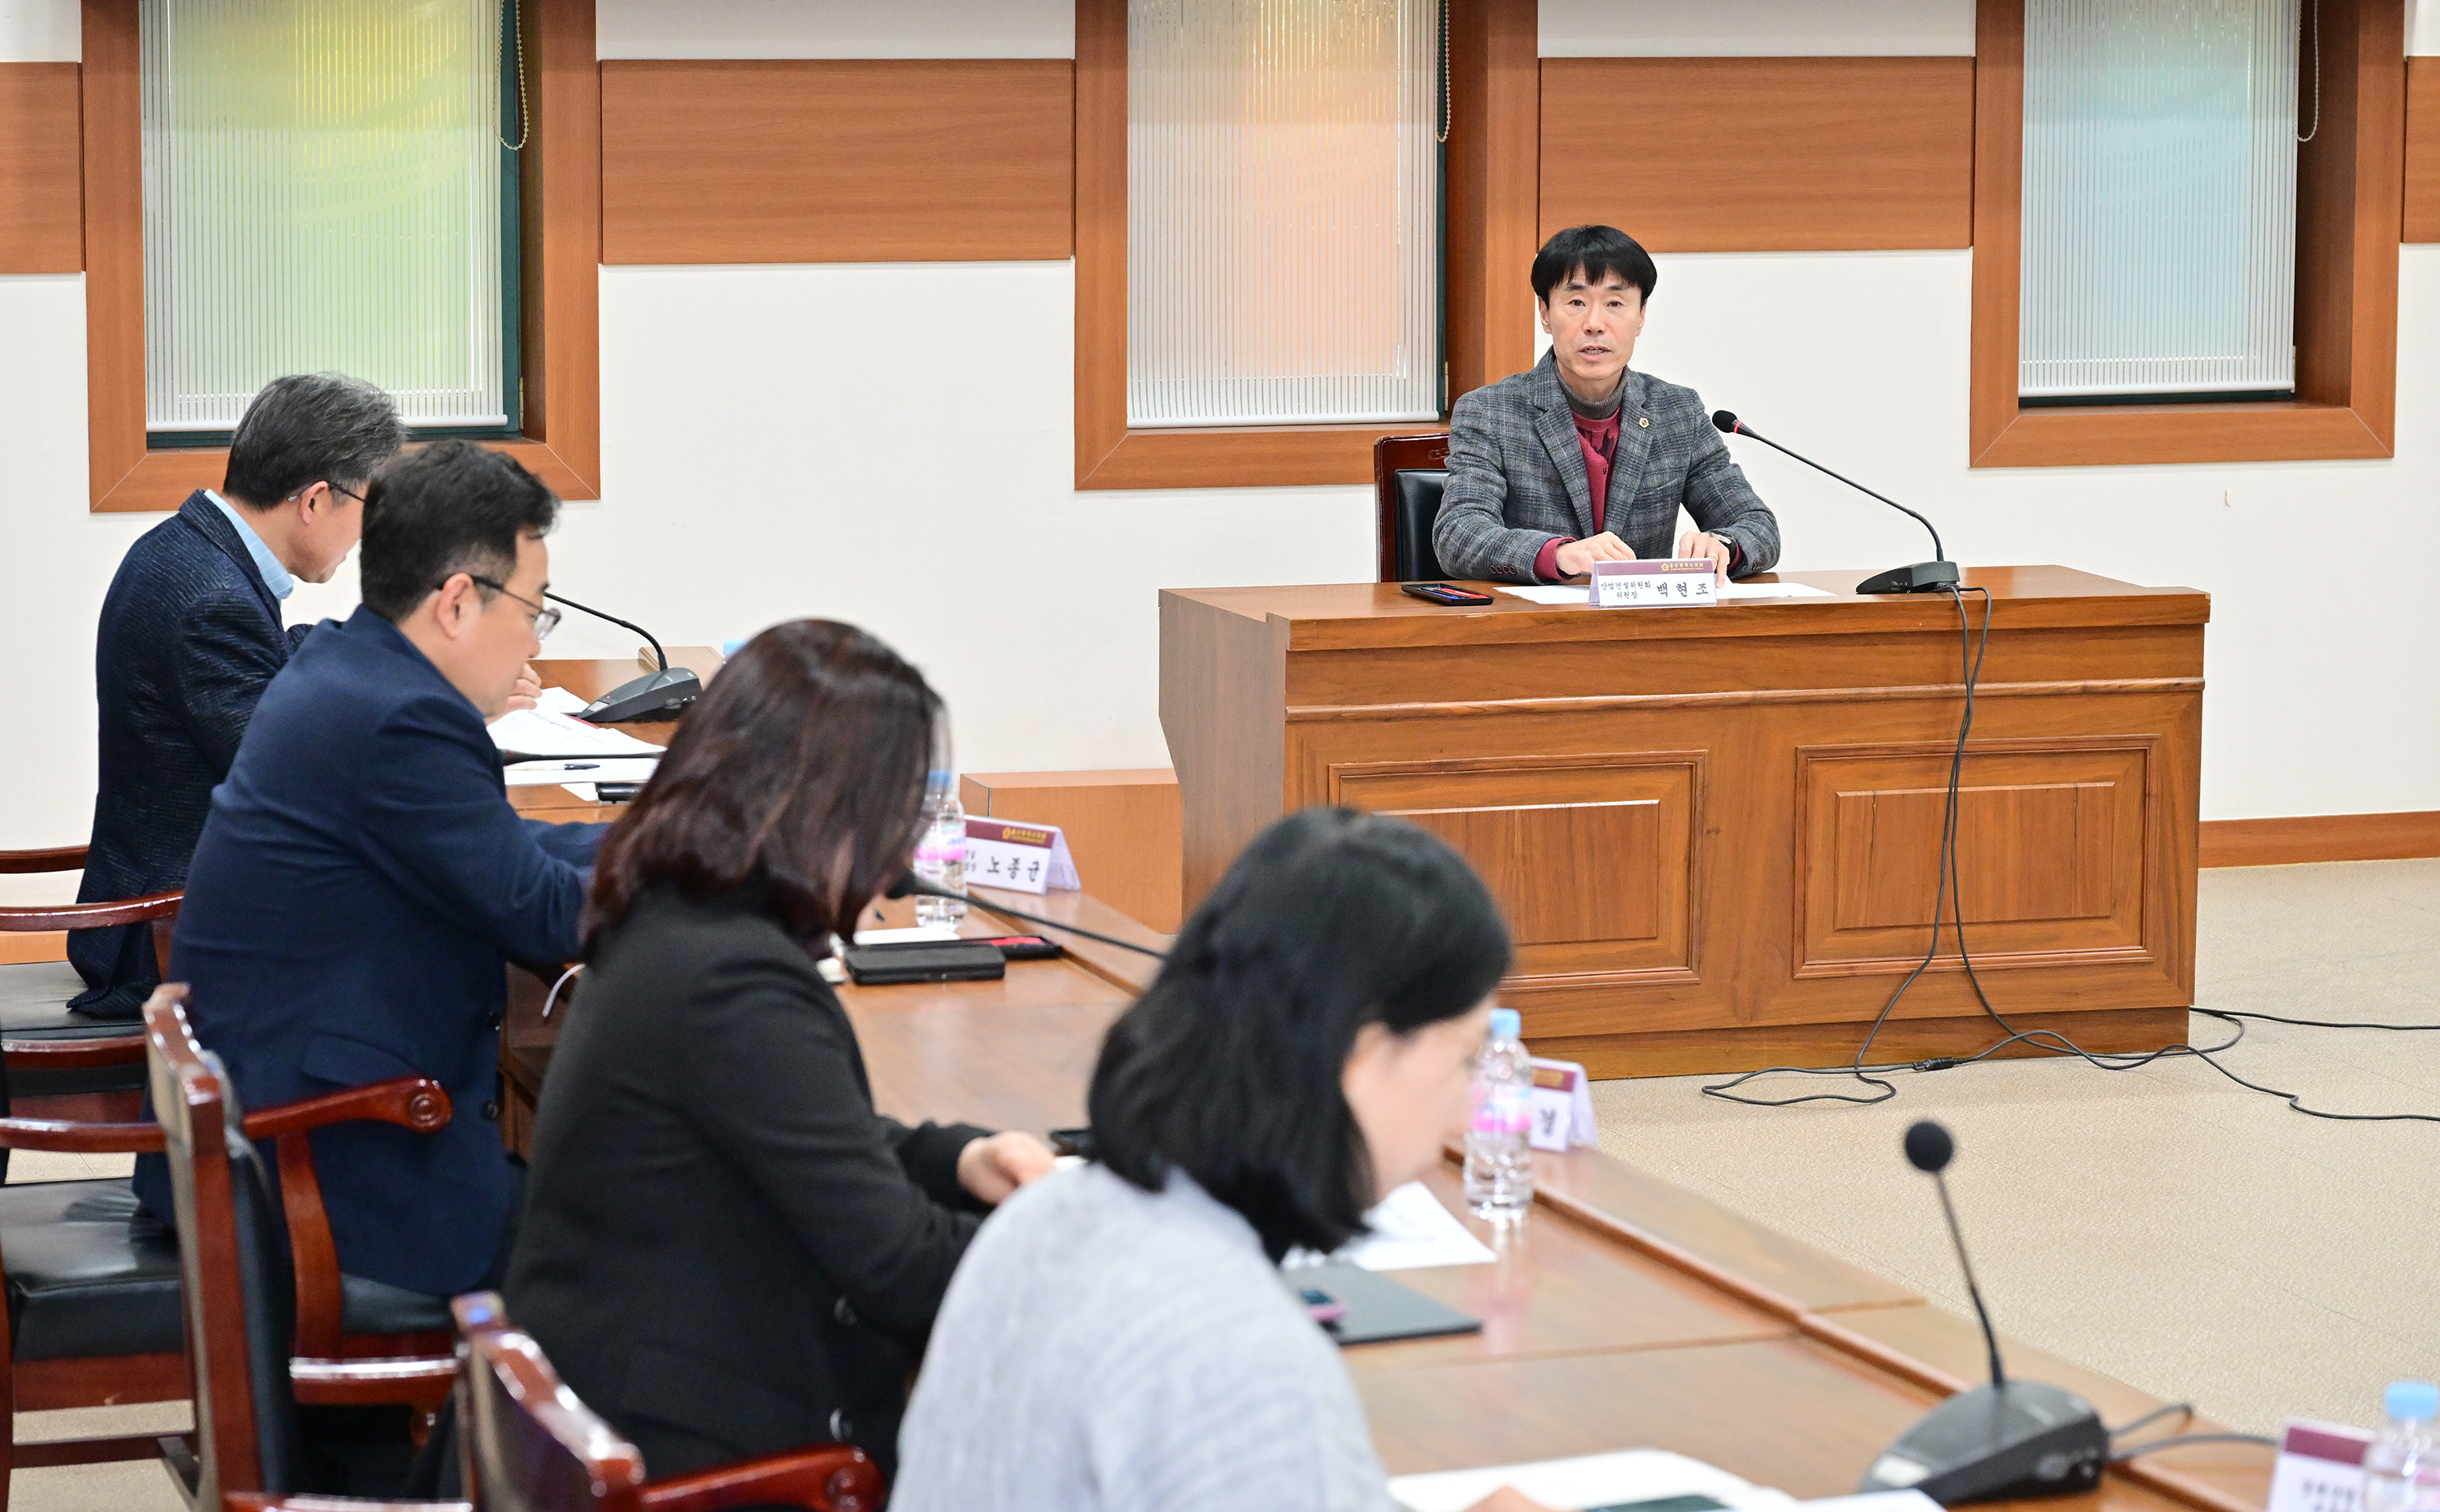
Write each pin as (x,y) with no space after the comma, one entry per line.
(1415,507)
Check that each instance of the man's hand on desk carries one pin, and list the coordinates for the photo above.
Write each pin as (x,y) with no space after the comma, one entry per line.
(1576,558)
(994,1166)
(1508,1498)
(1698,543)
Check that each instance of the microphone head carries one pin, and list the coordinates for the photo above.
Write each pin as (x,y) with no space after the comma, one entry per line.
(1725,421)
(906,883)
(1929,1147)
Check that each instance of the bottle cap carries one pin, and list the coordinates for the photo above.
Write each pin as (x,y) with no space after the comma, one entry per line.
(2413,1401)
(938,777)
(1506,1025)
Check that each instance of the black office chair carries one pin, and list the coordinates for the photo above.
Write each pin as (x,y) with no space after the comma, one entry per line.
(1408,474)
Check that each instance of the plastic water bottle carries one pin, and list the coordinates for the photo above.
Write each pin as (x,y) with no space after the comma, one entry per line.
(941,850)
(1499,1148)
(2402,1467)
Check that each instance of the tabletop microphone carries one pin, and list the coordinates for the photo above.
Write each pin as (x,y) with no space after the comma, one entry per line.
(662,694)
(1935,576)
(2006,1441)
(908,883)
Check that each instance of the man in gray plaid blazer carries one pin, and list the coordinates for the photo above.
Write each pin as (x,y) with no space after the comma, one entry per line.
(1582,460)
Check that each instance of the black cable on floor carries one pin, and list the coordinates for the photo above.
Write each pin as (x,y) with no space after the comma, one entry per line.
(2152,1416)
(2326,1024)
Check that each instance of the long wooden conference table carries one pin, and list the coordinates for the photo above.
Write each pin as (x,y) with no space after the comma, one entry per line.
(1715,831)
(1625,1312)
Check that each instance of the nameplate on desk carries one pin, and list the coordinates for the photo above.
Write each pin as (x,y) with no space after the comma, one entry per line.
(1563,1106)
(1020,858)
(1670,583)
(2319,1468)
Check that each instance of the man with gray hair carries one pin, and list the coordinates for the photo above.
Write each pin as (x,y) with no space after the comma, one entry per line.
(191,634)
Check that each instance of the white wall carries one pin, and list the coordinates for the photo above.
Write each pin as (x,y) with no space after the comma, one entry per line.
(1750,28)
(892,445)
(836,29)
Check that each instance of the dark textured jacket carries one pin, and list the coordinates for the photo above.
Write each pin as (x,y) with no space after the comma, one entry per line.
(189,638)
(1517,478)
(724,1249)
(360,887)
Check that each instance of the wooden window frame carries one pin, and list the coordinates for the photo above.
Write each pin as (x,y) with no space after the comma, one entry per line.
(2349,188)
(1489,210)
(561,325)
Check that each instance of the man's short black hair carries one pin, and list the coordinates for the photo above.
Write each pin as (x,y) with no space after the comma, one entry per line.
(320,427)
(449,508)
(1228,1067)
(1602,251)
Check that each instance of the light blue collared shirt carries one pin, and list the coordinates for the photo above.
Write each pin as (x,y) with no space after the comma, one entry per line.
(275,576)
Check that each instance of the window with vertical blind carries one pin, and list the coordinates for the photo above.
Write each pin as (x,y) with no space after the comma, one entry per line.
(2160,199)
(1284,212)
(326,187)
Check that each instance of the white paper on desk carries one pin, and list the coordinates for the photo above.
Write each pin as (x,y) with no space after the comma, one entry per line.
(920,931)
(1906,1501)
(1559,593)
(1773,590)
(1625,1477)
(560,701)
(542,774)
(548,733)
(1410,1231)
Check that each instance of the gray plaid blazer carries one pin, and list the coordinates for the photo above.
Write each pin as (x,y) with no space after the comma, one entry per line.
(1517,478)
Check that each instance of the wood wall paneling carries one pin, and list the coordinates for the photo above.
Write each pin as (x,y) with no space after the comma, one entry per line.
(1494,190)
(561,180)
(2422,209)
(1123,828)
(42,189)
(2349,198)
(837,160)
(1761,154)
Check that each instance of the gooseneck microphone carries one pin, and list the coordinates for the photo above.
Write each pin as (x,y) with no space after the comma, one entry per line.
(1929,1149)
(2009,1440)
(1937,575)
(662,694)
(909,884)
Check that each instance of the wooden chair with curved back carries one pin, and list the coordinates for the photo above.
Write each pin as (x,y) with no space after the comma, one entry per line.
(529,1444)
(245,1293)
(62,1064)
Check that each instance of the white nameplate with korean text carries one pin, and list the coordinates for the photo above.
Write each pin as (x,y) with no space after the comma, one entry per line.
(1020,858)
(1668,582)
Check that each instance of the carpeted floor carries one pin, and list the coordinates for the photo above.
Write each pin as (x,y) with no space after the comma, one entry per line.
(2164,1225)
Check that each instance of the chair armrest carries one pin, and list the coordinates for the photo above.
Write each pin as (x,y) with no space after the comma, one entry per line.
(58,858)
(833,1478)
(266,1502)
(374,1381)
(417,1102)
(15,919)
(74,1054)
(79,1139)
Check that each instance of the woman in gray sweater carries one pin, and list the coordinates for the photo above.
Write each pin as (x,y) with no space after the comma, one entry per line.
(1118,1336)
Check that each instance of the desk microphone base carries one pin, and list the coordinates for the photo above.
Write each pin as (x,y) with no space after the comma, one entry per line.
(656,695)
(2024,1439)
(1922,577)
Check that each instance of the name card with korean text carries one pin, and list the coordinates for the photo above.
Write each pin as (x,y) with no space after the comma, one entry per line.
(1664,582)
(1563,1106)
(1020,858)
(2319,1468)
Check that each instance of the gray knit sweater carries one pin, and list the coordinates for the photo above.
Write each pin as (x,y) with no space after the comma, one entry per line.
(1103,1347)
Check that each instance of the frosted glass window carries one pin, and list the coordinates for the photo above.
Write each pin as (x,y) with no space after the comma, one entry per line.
(322,192)
(1282,211)
(2160,197)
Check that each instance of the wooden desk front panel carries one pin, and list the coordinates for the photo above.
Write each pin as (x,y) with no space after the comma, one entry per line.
(1713,824)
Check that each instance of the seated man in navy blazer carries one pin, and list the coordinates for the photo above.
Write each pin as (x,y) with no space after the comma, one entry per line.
(362,880)
(191,634)
(1582,460)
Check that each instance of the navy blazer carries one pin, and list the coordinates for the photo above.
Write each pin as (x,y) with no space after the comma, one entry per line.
(361,884)
(189,638)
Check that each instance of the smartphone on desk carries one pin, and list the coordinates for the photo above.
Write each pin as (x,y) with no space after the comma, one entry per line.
(1443,593)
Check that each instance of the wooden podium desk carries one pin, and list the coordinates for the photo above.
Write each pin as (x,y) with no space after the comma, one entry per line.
(1625,1312)
(1715,831)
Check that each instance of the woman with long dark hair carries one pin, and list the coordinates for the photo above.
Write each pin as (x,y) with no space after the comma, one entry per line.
(1119,1336)
(725,1250)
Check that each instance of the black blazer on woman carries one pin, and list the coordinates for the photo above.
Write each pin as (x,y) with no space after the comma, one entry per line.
(724,1249)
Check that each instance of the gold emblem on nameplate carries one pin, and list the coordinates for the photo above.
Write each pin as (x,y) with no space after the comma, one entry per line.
(1645,421)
